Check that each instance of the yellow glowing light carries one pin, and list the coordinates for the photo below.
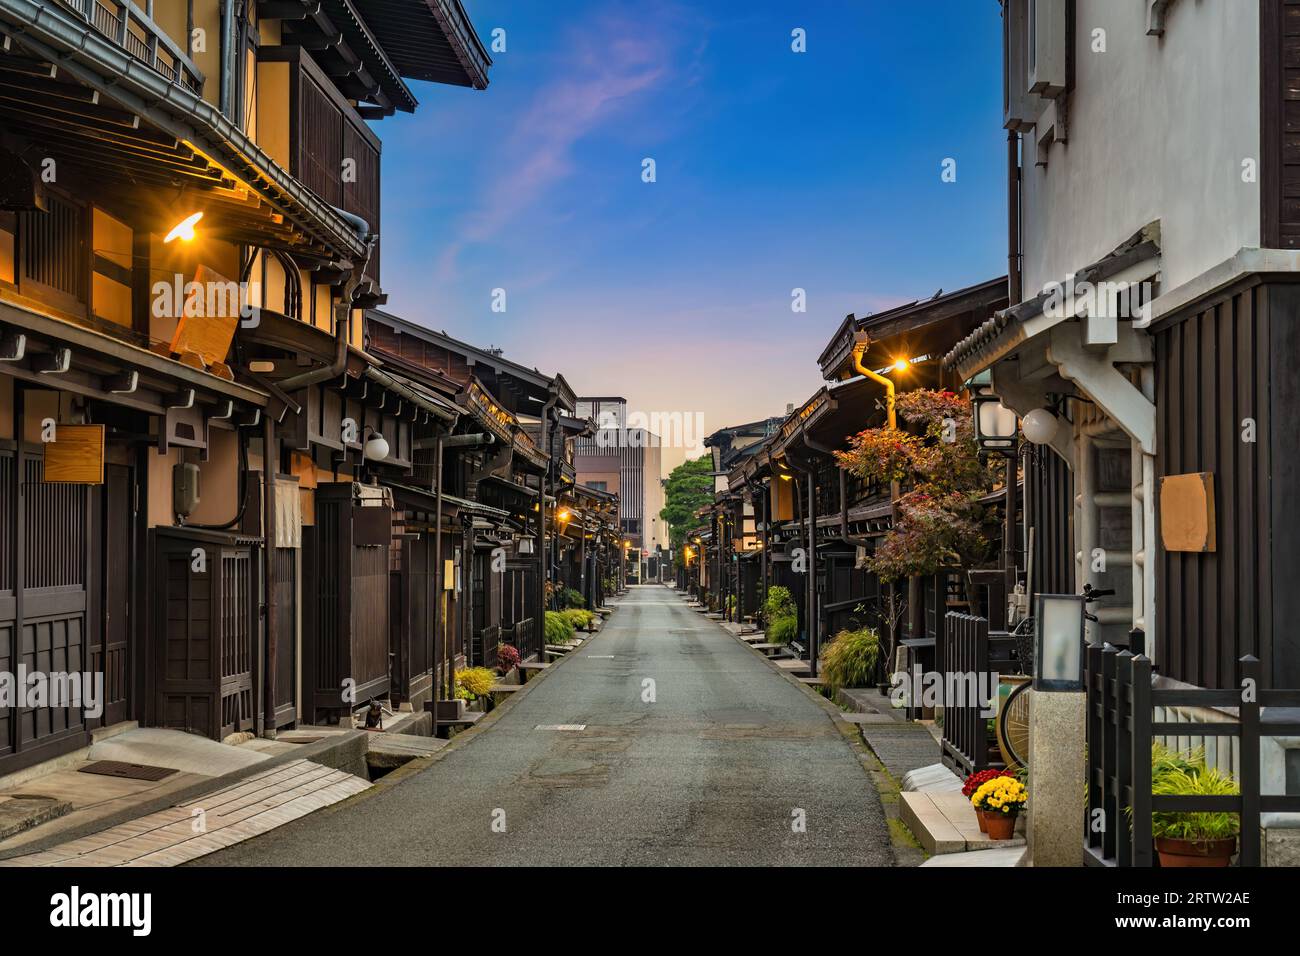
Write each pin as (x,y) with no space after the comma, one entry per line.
(184,230)
(563,515)
(785,477)
(901,365)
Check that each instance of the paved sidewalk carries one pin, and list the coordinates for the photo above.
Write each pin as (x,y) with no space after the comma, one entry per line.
(253,806)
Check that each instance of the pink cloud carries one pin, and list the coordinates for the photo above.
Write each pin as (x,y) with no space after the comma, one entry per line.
(605,64)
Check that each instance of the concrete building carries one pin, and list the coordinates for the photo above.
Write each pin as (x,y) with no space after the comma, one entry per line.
(628,462)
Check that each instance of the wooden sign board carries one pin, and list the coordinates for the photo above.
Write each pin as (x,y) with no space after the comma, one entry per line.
(76,455)
(208,332)
(1187,512)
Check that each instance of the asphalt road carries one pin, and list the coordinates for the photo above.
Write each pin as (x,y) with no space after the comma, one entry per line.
(714,771)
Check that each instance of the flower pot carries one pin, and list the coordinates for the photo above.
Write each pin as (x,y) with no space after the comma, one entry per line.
(1001,826)
(1195,852)
(984,825)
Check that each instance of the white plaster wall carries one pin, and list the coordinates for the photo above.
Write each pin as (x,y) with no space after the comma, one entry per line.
(1158,129)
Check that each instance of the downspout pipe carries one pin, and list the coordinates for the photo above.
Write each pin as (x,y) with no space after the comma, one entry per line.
(269,448)
(891,416)
(227,51)
(342,314)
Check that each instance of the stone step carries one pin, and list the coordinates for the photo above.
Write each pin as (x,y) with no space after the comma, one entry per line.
(946,823)
(389,751)
(528,668)
(451,727)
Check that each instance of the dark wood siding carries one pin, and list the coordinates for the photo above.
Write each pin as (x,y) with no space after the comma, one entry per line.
(1050,503)
(346,597)
(48,602)
(285,608)
(205,629)
(1280,123)
(1284,481)
(1213,372)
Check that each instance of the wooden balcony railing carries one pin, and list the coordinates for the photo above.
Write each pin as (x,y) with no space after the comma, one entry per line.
(135,32)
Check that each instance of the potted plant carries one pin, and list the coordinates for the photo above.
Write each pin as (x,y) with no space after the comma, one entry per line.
(1195,838)
(507,658)
(1002,799)
(473,685)
(973,783)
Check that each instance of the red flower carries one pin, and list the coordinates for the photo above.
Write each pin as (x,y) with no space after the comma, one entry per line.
(977,780)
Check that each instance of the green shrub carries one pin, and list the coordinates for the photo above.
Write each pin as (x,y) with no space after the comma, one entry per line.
(779,603)
(850,659)
(580,618)
(477,680)
(558,629)
(571,598)
(782,630)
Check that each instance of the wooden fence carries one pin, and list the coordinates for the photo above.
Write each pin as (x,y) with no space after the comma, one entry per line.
(1121,727)
(485,654)
(526,641)
(966,658)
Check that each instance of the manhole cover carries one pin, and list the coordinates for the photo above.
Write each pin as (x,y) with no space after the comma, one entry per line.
(127,771)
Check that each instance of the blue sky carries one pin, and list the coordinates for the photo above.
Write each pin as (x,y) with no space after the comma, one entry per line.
(775,170)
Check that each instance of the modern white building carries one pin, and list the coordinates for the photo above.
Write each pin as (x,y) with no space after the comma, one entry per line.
(1152,350)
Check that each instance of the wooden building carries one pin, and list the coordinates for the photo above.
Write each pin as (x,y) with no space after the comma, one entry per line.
(187,242)
(787,514)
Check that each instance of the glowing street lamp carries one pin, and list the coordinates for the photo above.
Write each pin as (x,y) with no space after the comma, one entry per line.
(184,230)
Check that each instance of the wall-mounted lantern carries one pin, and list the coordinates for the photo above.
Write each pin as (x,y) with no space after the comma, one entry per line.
(1040,426)
(995,424)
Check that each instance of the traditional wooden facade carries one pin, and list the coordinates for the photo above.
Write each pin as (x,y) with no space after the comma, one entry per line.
(524,468)
(187,239)
(787,514)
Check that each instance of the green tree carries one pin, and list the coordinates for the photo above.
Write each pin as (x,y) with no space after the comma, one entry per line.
(688,489)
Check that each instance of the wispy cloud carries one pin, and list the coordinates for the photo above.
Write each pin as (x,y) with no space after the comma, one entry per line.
(607,63)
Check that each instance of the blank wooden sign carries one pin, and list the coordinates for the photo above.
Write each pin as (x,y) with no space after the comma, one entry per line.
(208,333)
(1187,512)
(76,455)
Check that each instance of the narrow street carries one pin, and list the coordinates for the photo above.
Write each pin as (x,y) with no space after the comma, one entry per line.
(710,773)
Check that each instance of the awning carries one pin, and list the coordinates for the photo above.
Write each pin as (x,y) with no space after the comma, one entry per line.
(1135,261)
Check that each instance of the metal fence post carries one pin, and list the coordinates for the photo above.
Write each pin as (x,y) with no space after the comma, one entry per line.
(1141,760)
(1124,751)
(1249,782)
